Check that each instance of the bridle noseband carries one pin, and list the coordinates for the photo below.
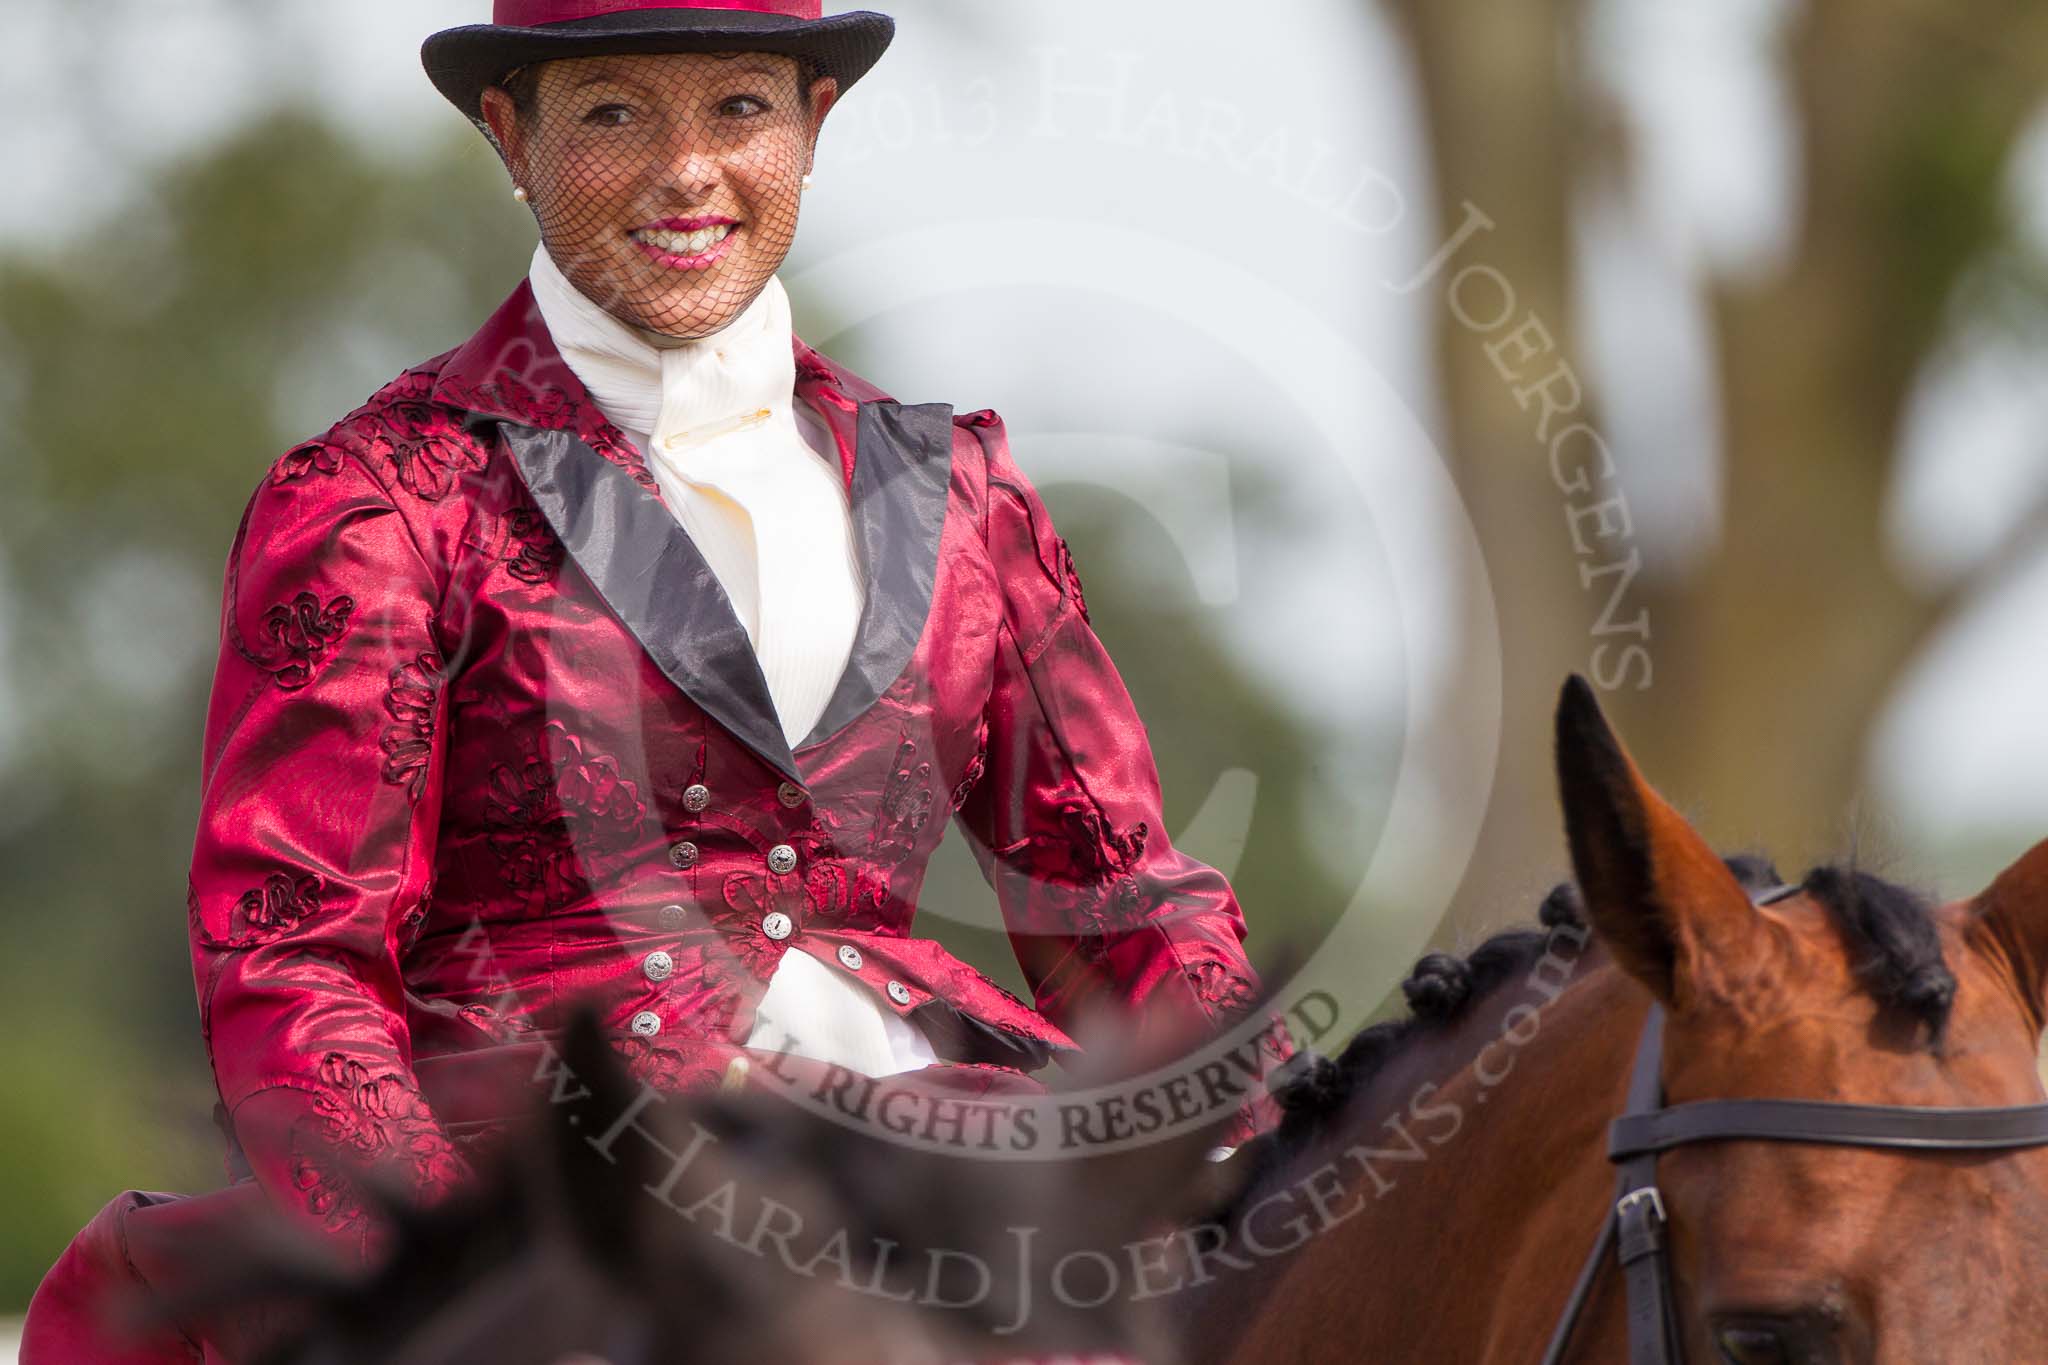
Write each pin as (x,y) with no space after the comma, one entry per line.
(1637,1222)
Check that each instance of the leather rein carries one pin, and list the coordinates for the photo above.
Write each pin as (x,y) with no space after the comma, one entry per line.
(1637,1222)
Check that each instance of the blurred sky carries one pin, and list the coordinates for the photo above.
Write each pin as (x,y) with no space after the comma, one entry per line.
(1285,152)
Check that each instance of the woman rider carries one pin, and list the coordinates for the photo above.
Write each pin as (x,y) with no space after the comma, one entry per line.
(634,652)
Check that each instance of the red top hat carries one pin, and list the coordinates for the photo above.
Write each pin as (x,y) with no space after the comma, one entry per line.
(463,62)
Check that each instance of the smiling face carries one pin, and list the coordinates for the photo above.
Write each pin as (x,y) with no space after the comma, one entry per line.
(666,185)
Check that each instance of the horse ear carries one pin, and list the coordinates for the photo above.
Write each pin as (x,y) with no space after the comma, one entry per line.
(2014,910)
(1666,906)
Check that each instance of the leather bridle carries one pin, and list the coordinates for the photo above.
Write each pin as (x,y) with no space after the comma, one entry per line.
(1636,1224)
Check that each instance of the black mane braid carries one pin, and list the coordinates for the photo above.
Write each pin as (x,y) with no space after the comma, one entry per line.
(1312,1090)
(1887,926)
(1892,931)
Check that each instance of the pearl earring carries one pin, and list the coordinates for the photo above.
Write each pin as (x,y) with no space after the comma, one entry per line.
(519,193)
(808,178)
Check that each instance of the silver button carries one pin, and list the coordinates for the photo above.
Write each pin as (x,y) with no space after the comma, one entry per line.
(696,796)
(672,916)
(849,957)
(775,924)
(899,992)
(781,858)
(658,965)
(646,1023)
(790,794)
(683,854)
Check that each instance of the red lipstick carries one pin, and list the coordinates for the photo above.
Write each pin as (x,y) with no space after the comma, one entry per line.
(662,256)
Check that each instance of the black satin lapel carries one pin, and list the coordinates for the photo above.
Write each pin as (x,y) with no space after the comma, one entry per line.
(655,580)
(902,474)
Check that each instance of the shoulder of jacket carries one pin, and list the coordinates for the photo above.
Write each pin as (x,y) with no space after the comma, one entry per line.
(407,403)
(814,366)
(404,440)
(988,455)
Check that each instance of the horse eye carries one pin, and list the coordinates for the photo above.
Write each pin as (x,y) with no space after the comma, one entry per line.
(1753,1346)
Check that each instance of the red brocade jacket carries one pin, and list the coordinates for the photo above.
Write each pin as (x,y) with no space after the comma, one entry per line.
(486,737)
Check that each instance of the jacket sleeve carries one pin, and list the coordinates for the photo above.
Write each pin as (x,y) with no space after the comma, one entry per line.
(1104,912)
(321,792)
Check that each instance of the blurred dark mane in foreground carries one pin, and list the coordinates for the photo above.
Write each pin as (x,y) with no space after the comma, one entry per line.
(786,1236)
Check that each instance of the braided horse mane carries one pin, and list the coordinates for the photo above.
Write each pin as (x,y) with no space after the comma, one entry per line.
(1889,929)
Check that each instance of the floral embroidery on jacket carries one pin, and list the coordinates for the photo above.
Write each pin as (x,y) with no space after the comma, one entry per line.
(360,1117)
(1107,857)
(552,410)
(607,440)
(412,386)
(831,890)
(280,905)
(302,631)
(1097,848)
(548,408)
(1085,875)
(313,457)
(856,888)
(413,920)
(1226,992)
(263,915)
(906,805)
(408,742)
(534,552)
(976,765)
(850,890)
(820,839)
(1070,578)
(427,447)
(664,1069)
(487,1020)
(558,815)
(749,897)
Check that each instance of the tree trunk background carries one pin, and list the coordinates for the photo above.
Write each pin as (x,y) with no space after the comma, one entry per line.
(1775,653)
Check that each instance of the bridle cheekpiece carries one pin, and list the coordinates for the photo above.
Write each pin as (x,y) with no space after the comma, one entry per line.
(1636,1225)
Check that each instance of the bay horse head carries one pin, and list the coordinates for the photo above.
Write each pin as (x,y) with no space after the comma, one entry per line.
(1845,988)
(1445,1192)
